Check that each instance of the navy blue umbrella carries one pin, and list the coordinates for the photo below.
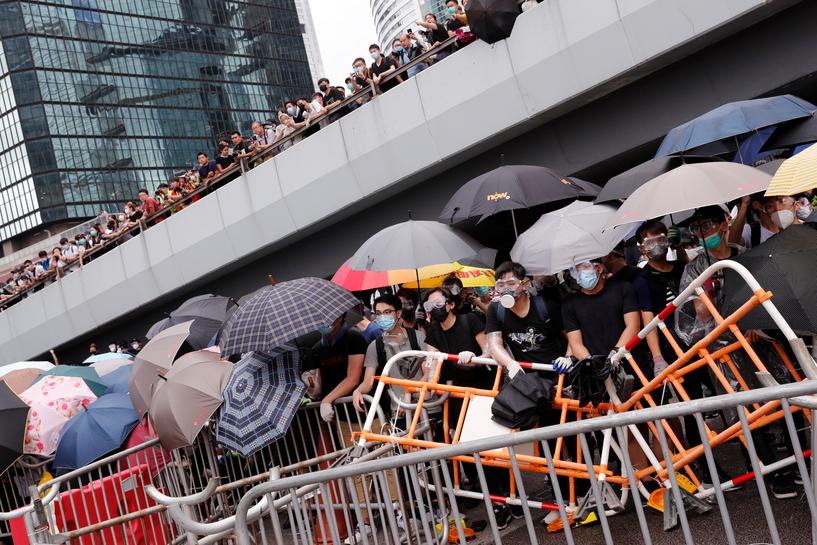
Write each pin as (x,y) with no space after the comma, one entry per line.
(101,428)
(734,119)
(261,399)
(119,381)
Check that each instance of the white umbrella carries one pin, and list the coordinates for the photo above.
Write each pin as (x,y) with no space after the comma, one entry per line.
(41,365)
(688,187)
(106,367)
(570,235)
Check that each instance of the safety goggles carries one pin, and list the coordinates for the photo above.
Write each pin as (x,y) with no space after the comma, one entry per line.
(509,284)
(705,226)
(657,240)
(775,203)
(431,304)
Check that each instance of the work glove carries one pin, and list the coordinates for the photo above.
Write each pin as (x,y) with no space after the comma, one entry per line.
(327,412)
(465,357)
(562,364)
(513,369)
(658,364)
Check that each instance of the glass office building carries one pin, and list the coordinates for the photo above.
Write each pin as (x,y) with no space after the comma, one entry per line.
(102,97)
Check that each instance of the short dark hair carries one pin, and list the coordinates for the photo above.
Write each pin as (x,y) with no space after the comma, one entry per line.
(392,300)
(234,133)
(43,253)
(429,14)
(452,280)
(28,262)
(322,80)
(143,190)
(161,185)
(317,94)
(348,80)
(517,269)
(64,240)
(712,212)
(361,59)
(651,227)
(374,46)
(199,154)
(222,146)
(409,294)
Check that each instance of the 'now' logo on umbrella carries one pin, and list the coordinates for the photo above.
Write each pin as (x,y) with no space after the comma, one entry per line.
(499,196)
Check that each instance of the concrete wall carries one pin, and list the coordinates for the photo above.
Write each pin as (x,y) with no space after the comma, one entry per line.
(562,55)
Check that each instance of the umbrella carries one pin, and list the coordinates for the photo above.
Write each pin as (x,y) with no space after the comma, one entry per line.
(156,458)
(106,367)
(786,265)
(471,277)
(41,365)
(732,120)
(509,188)
(86,374)
(688,187)
(207,312)
(622,186)
(119,381)
(412,245)
(107,356)
(359,280)
(53,401)
(770,167)
(520,402)
(280,313)
(492,20)
(190,395)
(796,174)
(13,414)
(261,399)
(801,131)
(567,236)
(154,359)
(21,379)
(101,428)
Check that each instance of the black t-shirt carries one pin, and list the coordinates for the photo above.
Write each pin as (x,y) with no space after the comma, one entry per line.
(205,170)
(600,317)
(333,95)
(461,336)
(654,289)
(225,162)
(628,273)
(334,358)
(240,148)
(385,65)
(453,24)
(530,338)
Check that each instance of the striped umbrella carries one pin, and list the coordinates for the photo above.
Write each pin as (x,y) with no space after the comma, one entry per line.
(358,280)
(796,175)
(471,277)
(261,399)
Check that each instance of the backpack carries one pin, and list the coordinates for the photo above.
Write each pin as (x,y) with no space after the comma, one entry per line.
(380,347)
(755,238)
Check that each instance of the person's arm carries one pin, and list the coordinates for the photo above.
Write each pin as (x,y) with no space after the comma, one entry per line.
(495,345)
(631,322)
(575,344)
(347,385)
(736,229)
(364,388)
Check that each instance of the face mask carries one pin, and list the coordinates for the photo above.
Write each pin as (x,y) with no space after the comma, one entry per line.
(507,300)
(658,252)
(291,111)
(588,279)
(692,253)
(323,87)
(127,210)
(81,242)
(804,211)
(135,346)
(399,50)
(481,291)
(711,242)
(359,69)
(325,330)
(375,55)
(782,218)
(111,348)
(93,232)
(439,314)
(386,323)
(349,86)
(452,10)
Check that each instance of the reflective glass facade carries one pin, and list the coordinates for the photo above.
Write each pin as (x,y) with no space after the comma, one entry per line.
(101,97)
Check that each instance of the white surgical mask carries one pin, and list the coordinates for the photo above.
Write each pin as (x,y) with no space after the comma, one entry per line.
(804,211)
(782,218)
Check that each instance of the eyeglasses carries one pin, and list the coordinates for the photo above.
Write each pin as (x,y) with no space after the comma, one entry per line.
(704,226)
(652,242)
(431,305)
(390,312)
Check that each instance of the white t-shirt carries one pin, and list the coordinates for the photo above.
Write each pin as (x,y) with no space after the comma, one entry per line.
(747,235)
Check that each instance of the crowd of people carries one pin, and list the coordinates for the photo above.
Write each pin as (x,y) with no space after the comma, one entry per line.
(323,107)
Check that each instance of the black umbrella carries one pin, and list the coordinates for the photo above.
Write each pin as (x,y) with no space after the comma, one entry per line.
(208,312)
(621,186)
(509,188)
(786,265)
(13,414)
(801,131)
(492,20)
(518,404)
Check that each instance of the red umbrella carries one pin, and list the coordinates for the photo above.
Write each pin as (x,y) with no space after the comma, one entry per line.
(359,280)
(156,458)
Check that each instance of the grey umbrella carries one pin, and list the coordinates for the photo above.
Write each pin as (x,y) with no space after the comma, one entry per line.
(412,245)
(280,313)
(261,399)
(208,312)
(189,395)
(153,361)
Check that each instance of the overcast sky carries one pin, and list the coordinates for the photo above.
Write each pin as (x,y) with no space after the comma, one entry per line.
(345,30)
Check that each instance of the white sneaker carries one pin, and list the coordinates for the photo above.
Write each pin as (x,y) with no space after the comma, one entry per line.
(357,537)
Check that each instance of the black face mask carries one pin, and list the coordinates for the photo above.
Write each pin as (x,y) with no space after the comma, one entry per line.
(439,314)
(407,314)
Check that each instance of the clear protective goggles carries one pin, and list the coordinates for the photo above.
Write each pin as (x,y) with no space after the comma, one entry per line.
(507,285)
(705,226)
(657,240)
(431,304)
(584,266)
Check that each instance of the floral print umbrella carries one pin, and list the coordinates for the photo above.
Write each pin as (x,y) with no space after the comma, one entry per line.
(53,401)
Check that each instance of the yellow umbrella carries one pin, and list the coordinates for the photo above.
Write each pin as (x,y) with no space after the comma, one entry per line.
(796,174)
(471,277)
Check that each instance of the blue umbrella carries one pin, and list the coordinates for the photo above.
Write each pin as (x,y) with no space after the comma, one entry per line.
(108,356)
(261,399)
(96,431)
(734,119)
(119,381)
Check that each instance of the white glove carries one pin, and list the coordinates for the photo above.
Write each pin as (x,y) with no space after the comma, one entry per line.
(562,364)
(513,369)
(327,412)
(465,357)
(611,356)
(658,364)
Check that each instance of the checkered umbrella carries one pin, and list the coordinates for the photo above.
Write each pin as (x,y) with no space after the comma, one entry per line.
(280,313)
(261,399)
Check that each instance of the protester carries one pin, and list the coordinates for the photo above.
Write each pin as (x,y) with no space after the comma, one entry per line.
(207,168)
(381,66)
(341,364)
(409,307)
(332,96)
